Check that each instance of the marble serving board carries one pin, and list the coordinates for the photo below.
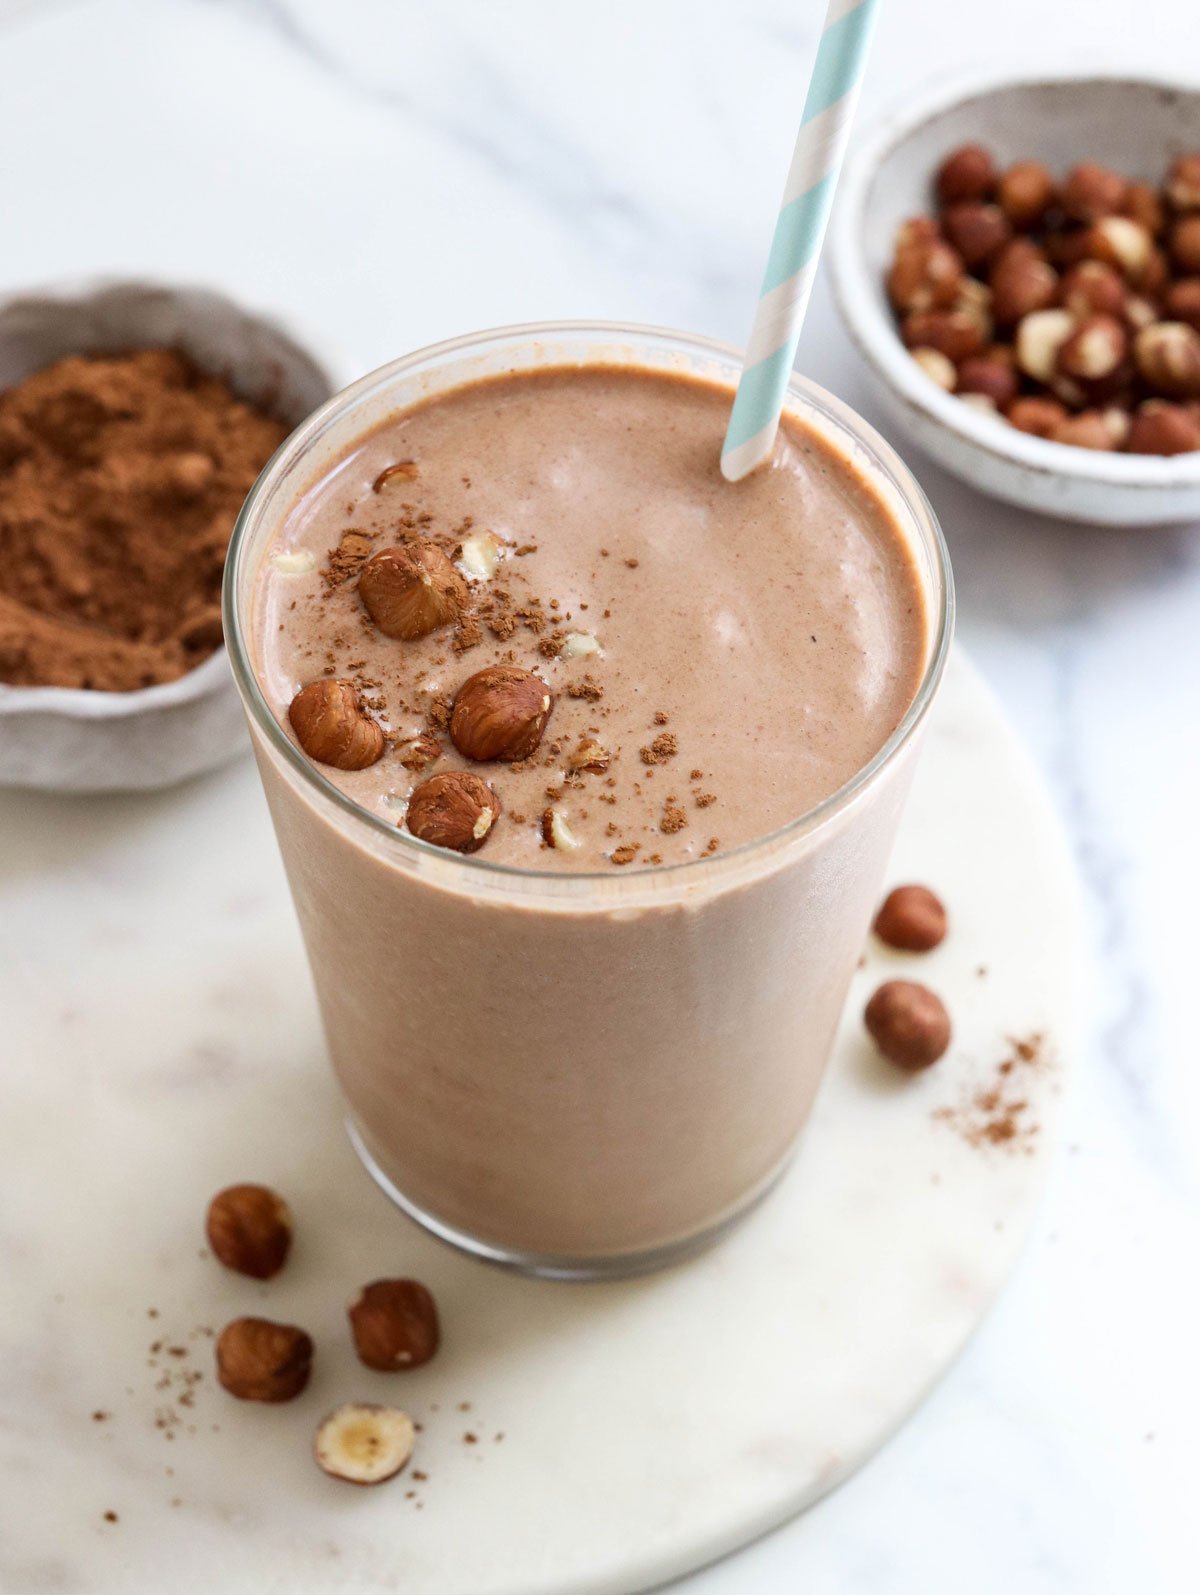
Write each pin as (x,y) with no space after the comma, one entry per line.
(162,1040)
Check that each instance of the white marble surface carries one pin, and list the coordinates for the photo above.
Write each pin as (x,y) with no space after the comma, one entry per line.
(388,172)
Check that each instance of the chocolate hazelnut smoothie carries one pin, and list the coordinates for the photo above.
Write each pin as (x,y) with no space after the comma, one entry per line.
(525,619)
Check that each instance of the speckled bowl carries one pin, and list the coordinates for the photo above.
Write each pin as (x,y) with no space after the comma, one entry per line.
(1135,125)
(81,741)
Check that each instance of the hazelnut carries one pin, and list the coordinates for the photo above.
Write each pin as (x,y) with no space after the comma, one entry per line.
(937,367)
(983,403)
(1092,191)
(979,232)
(394,1323)
(1142,204)
(1037,414)
(1168,357)
(1118,421)
(974,300)
(294,562)
(589,756)
(456,809)
(1122,243)
(984,374)
(261,1361)
(332,726)
(420,753)
(500,713)
(364,1444)
(1022,281)
(1026,194)
(578,645)
(1185,244)
(924,276)
(954,333)
(481,554)
(1039,338)
(1093,288)
(1183,302)
(1090,429)
(1156,275)
(1183,183)
(911,918)
(410,591)
(557,833)
(249,1229)
(908,1023)
(916,230)
(1068,248)
(401,471)
(966,173)
(1095,350)
(1160,428)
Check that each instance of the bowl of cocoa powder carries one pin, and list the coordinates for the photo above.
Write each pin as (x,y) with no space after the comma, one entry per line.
(134,419)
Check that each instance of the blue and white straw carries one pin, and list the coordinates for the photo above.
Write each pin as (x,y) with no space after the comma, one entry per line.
(799,233)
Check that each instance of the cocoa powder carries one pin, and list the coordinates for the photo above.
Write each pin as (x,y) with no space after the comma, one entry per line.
(120,480)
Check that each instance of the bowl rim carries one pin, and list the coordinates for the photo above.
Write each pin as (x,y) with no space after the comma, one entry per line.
(874,332)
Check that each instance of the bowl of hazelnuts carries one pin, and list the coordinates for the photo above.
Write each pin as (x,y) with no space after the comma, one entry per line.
(1019,261)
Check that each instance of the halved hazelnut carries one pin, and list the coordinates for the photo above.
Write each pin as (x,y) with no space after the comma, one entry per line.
(1120,242)
(500,713)
(1168,357)
(908,1023)
(968,172)
(1039,338)
(361,1443)
(1092,191)
(456,809)
(394,1323)
(954,333)
(1036,414)
(1094,350)
(937,367)
(1093,288)
(1183,302)
(924,275)
(1161,428)
(1183,183)
(911,918)
(1022,282)
(979,232)
(332,726)
(411,590)
(557,833)
(1142,204)
(249,1228)
(984,374)
(1026,194)
(258,1360)
(1185,244)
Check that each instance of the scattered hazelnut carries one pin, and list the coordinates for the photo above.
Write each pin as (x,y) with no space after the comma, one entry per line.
(1161,428)
(578,645)
(1093,288)
(954,333)
(1036,414)
(249,1229)
(294,562)
(332,726)
(908,1023)
(1185,244)
(1026,194)
(911,918)
(1022,281)
(401,471)
(456,809)
(481,554)
(937,367)
(1182,302)
(261,1361)
(1183,183)
(395,1324)
(967,173)
(557,833)
(1094,350)
(1092,191)
(1039,338)
(500,713)
(364,1444)
(1168,357)
(590,756)
(985,375)
(1142,204)
(1090,429)
(979,232)
(1122,243)
(420,753)
(411,590)
(924,276)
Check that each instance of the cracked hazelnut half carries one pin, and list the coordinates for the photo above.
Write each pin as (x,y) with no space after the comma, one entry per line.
(332,726)
(908,1023)
(500,713)
(395,1324)
(410,591)
(455,809)
(364,1444)
(258,1360)
(249,1228)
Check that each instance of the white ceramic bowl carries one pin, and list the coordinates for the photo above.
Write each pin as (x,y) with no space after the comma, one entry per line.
(81,741)
(1136,126)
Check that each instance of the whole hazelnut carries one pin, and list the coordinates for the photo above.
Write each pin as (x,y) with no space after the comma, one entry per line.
(916,230)
(1092,191)
(1090,429)
(1096,349)
(1036,414)
(249,1229)
(332,726)
(1122,243)
(261,1361)
(968,172)
(1039,338)
(911,918)
(394,1323)
(978,231)
(984,374)
(456,809)
(1093,288)
(1161,428)
(1067,248)
(411,590)
(360,1443)
(1182,302)
(908,1023)
(1183,183)
(954,333)
(1155,276)
(1142,204)
(500,713)
(924,276)
(1140,312)
(1185,244)
(1168,357)
(1022,281)
(1026,194)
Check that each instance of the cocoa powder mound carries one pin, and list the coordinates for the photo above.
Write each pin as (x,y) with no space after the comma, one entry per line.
(120,480)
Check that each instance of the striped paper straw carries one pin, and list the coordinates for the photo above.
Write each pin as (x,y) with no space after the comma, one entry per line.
(799,232)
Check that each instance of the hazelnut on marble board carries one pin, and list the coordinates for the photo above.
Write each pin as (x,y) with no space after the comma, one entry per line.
(258,1360)
(361,1443)
(456,809)
(908,1023)
(911,919)
(394,1323)
(500,713)
(411,590)
(249,1228)
(332,726)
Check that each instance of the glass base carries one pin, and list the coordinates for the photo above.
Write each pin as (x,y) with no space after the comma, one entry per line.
(579,1269)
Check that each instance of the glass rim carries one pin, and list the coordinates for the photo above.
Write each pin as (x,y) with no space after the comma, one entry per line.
(296,444)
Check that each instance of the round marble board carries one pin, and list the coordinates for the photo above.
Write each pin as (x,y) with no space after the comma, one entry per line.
(162,1040)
